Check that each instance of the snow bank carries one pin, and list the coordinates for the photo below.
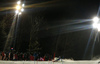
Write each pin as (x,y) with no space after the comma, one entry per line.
(49,62)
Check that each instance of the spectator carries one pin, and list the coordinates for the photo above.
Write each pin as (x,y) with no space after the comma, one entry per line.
(7,56)
(16,56)
(2,55)
(25,56)
(44,58)
(21,56)
(41,59)
(31,57)
(11,56)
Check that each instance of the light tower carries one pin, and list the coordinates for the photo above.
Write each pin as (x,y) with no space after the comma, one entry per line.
(18,11)
(96,23)
(19,7)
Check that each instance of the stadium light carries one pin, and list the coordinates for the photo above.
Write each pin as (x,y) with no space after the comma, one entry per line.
(22,9)
(98,27)
(96,23)
(20,13)
(19,8)
(16,11)
(23,5)
(95,19)
(19,2)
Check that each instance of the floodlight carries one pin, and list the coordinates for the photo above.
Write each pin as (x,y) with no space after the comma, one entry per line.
(16,11)
(23,5)
(95,19)
(20,13)
(22,9)
(18,7)
(98,27)
(95,25)
(19,2)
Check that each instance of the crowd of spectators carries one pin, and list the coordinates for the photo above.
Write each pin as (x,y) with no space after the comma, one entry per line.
(25,56)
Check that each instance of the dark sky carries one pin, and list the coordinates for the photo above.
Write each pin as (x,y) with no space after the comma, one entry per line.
(56,35)
(62,37)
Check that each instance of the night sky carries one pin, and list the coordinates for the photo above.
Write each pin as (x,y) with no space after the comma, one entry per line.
(63,30)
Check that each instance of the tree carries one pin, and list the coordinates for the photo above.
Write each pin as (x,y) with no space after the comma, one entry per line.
(5,25)
(35,23)
(34,47)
